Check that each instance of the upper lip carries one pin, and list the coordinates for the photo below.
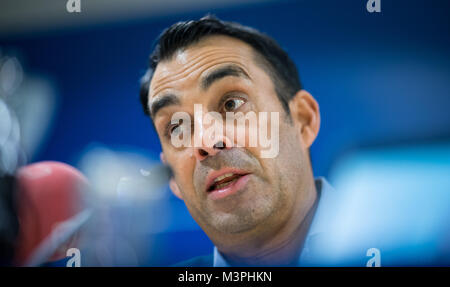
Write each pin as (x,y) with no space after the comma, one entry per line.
(216,173)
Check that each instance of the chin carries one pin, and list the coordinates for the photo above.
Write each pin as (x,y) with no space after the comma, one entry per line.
(241,220)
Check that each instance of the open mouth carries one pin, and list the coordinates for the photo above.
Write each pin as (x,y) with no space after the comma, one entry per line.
(224,180)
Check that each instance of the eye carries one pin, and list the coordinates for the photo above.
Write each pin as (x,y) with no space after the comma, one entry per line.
(174,129)
(232,104)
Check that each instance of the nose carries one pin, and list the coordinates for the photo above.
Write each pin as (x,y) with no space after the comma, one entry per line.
(206,143)
(205,151)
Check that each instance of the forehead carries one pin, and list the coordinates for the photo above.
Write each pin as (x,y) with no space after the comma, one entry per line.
(186,66)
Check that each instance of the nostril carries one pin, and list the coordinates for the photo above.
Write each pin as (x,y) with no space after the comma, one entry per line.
(202,152)
(220,145)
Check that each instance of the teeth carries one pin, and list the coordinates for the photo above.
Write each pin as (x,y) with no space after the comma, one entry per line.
(219,186)
(223,176)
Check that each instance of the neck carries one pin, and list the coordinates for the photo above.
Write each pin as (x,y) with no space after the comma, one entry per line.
(284,248)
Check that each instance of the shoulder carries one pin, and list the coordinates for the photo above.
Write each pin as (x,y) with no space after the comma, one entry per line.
(200,261)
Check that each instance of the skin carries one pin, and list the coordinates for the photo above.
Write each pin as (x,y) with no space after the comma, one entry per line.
(265,223)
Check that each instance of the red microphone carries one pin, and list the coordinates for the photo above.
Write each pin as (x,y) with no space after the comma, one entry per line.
(52,207)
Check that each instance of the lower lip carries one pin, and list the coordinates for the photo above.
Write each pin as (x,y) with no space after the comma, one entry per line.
(229,189)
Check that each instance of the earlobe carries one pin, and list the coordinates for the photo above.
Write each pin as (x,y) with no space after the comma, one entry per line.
(305,114)
(175,189)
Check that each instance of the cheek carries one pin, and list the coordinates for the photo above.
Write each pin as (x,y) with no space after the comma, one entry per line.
(182,164)
(290,156)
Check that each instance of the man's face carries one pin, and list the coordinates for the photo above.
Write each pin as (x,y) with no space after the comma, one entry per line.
(260,194)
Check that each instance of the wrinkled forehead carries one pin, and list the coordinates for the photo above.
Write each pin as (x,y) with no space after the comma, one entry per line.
(188,65)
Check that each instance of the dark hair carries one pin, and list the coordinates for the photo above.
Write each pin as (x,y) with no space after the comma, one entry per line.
(280,67)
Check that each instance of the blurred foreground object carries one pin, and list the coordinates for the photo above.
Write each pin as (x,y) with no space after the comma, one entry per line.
(8,220)
(10,149)
(27,107)
(52,207)
(131,206)
(26,110)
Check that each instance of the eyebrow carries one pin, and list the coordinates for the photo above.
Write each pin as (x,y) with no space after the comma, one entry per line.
(162,102)
(222,72)
(206,82)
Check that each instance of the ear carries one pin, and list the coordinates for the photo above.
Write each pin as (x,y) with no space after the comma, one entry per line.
(305,114)
(172,183)
(175,189)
